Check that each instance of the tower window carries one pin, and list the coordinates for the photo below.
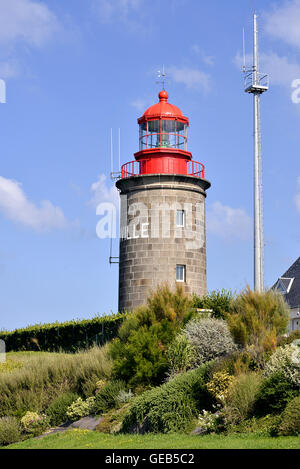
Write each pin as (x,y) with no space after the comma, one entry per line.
(180,273)
(180,218)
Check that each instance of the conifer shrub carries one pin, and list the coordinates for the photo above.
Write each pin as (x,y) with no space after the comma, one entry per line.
(10,431)
(171,407)
(210,338)
(257,320)
(274,394)
(57,411)
(108,396)
(139,352)
(290,423)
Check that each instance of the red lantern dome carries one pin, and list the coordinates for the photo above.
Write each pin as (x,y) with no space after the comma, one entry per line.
(163,110)
(163,143)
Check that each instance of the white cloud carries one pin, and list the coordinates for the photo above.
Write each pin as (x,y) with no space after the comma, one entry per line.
(117,10)
(207,59)
(297,201)
(9,69)
(102,192)
(140,104)
(228,223)
(283,22)
(15,206)
(27,20)
(192,78)
(280,69)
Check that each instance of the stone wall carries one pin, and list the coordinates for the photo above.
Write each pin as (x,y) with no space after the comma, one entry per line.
(153,245)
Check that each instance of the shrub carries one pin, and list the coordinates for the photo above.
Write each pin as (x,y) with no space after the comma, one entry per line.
(70,336)
(125,396)
(241,397)
(100,384)
(139,353)
(210,338)
(290,424)
(256,320)
(289,339)
(263,426)
(219,301)
(112,421)
(181,355)
(10,431)
(170,407)
(208,421)
(81,408)
(45,377)
(34,423)
(285,360)
(220,385)
(236,363)
(107,397)
(57,411)
(275,392)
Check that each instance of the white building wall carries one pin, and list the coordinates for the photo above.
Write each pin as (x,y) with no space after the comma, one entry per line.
(294,319)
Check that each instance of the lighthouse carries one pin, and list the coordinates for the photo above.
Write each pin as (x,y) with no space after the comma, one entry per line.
(162,214)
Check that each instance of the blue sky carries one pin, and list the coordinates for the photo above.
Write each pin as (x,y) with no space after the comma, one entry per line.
(74,69)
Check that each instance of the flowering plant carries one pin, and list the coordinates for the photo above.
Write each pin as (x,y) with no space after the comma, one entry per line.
(81,408)
(34,423)
(285,360)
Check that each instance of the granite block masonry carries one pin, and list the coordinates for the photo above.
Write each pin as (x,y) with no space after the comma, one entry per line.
(152,245)
(163,227)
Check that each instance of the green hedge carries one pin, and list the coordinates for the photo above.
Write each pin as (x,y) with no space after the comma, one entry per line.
(171,407)
(67,337)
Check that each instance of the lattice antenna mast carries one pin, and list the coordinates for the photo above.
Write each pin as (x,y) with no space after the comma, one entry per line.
(257,84)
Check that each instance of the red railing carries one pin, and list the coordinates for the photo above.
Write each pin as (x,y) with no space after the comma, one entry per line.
(196,169)
(137,168)
(131,169)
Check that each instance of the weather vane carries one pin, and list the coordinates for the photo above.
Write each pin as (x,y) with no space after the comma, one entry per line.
(162,77)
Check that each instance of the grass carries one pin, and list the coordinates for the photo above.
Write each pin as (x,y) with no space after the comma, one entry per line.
(84,439)
(44,376)
(17,360)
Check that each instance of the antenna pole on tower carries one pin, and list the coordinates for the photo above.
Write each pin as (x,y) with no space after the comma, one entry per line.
(111,154)
(258,215)
(257,84)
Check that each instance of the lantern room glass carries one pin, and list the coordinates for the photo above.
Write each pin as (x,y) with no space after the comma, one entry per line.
(163,133)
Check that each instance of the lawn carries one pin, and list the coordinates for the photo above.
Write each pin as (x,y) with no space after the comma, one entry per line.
(84,439)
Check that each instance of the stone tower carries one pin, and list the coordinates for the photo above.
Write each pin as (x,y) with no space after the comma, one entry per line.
(163,192)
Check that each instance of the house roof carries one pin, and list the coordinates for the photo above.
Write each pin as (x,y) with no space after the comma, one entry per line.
(290,282)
